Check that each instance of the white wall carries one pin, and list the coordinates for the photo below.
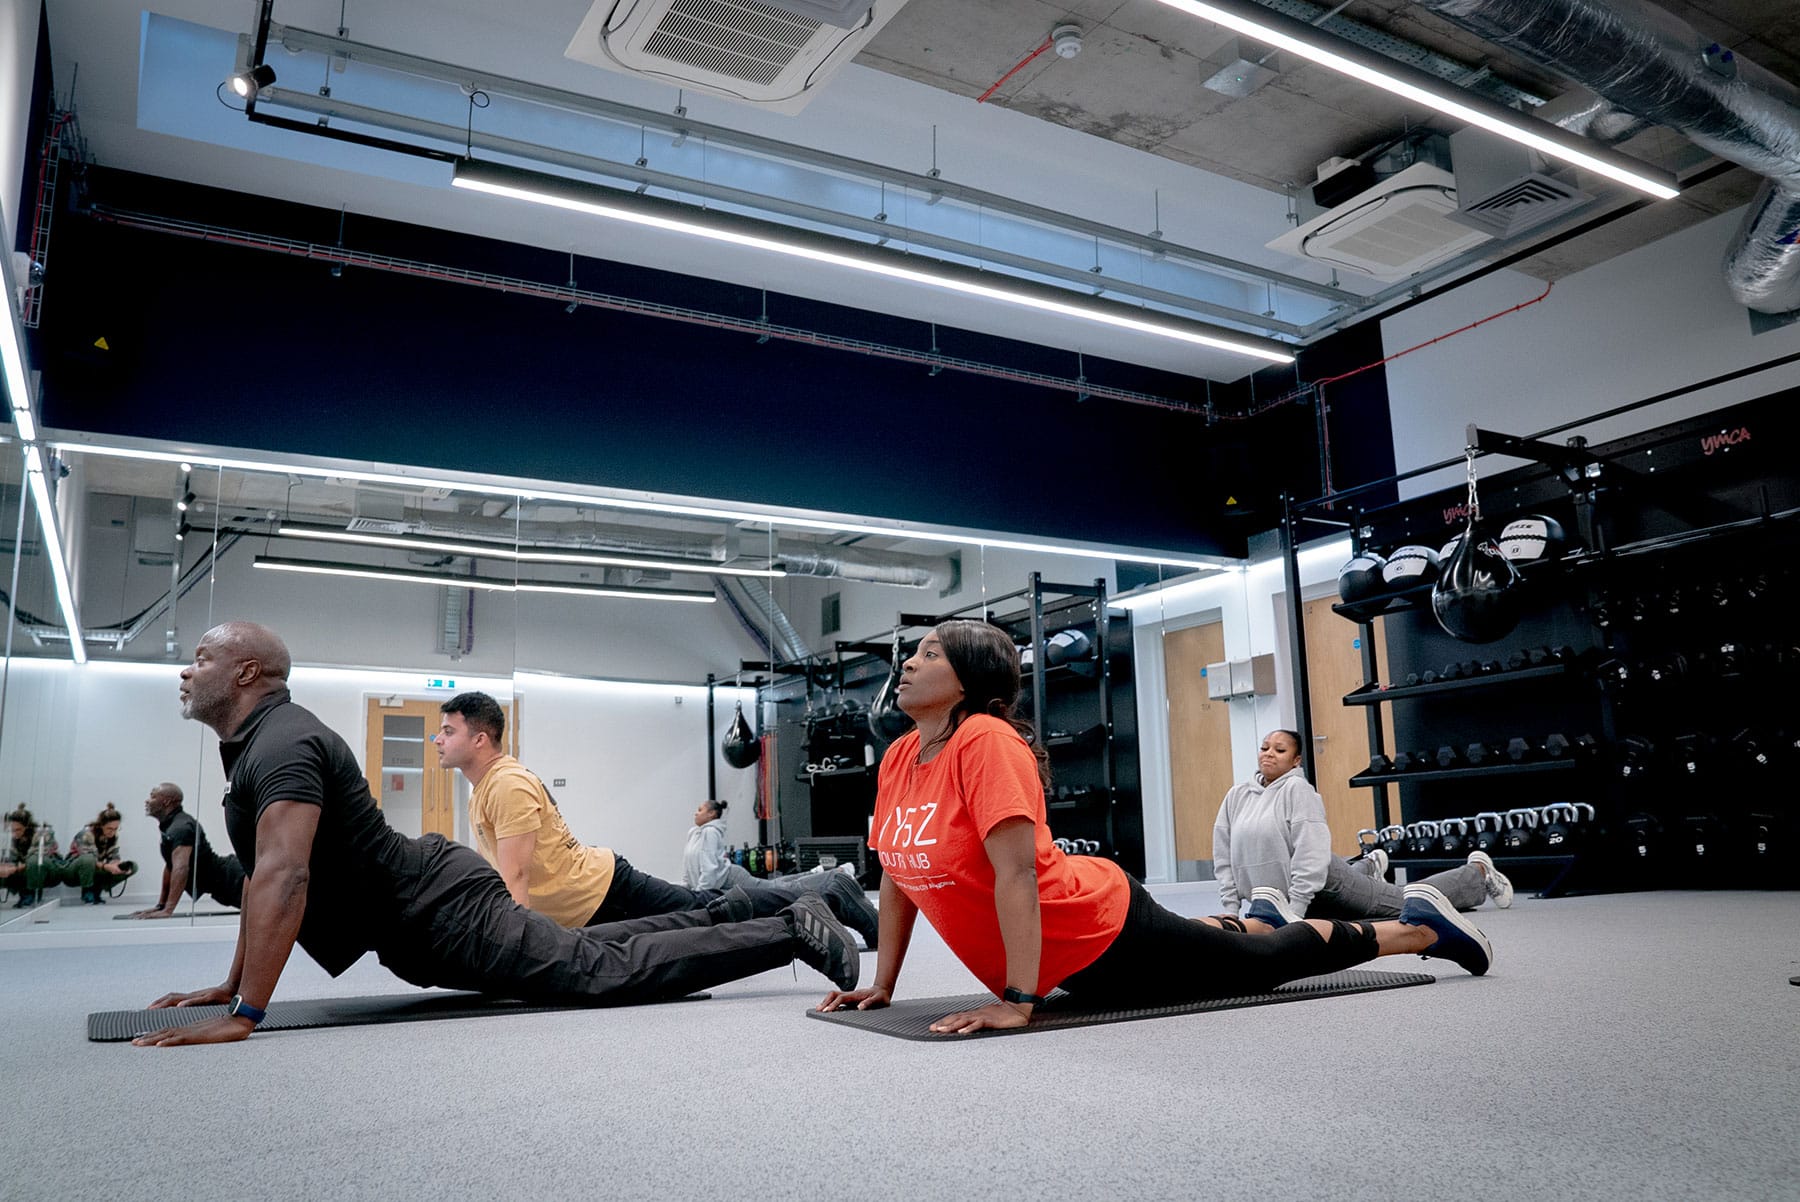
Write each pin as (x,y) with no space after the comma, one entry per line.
(18,65)
(1247,603)
(1637,325)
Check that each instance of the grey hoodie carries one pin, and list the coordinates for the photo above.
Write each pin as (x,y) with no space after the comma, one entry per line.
(703,862)
(1271,833)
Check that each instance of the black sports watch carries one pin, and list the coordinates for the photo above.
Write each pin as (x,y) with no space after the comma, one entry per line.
(242,1009)
(1020,996)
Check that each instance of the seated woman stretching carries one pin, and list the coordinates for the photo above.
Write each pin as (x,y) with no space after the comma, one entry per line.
(961,832)
(1272,847)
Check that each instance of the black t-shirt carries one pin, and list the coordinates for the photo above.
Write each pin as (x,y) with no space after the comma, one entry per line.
(362,869)
(182,829)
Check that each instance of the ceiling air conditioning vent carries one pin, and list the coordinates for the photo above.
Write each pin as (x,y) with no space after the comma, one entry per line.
(1520,205)
(774,54)
(1398,228)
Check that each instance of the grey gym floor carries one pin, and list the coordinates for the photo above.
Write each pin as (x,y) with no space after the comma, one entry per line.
(1640,1046)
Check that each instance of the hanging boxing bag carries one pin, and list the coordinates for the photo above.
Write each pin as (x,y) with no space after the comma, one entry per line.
(887,721)
(1476,598)
(740,748)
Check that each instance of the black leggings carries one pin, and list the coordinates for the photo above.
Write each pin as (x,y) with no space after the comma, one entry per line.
(1159,957)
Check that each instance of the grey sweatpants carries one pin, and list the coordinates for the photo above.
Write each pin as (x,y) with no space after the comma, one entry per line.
(1350,892)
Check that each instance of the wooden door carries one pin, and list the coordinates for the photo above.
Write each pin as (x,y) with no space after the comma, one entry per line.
(401,765)
(1341,732)
(1199,737)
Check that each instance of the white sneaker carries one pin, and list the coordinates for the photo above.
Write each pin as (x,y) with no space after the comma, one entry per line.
(1269,905)
(1375,863)
(1495,882)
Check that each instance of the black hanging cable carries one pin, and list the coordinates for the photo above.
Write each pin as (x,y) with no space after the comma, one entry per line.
(477,99)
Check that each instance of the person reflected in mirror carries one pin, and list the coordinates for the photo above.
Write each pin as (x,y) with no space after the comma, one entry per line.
(189,862)
(519,829)
(29,863)
(706,864)
(1272,849)
(93,862)
(324,870)
(961,831)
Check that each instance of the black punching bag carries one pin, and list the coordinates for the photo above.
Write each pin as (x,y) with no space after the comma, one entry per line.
(740,748)
(1476,598)
(887,721)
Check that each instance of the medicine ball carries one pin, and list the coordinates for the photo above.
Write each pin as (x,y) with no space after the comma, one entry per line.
(1065,646)
(1409,566)
(1447,550)
(740,748)
(1532,539)
(1477,598)
(1360,579)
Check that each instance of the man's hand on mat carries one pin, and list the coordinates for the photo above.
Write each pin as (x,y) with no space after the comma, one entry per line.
(996,1016)
(872,998)
(224,1029)
(154,914)
(218,995)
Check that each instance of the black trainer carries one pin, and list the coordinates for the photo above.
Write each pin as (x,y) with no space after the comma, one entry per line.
(852,908)
(733,905)
(824,943)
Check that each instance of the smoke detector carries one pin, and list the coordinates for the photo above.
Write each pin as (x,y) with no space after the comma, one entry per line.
(1066,40)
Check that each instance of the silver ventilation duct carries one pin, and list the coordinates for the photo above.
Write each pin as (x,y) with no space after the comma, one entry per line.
(1646,62)
(765,621)
(869,567)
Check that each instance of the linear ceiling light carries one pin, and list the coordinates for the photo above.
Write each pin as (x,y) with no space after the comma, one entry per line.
(18,399)
(1297,37)
(53,550)
(619,205)
(276,563)
(495,551)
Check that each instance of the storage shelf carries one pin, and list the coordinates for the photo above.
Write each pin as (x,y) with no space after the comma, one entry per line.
(1375,694)
(1416,597)
(853,770)
(1366,780)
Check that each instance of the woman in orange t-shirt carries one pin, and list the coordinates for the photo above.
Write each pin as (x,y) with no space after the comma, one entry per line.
(961,834)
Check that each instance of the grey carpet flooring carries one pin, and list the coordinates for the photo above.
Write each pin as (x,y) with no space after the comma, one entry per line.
(1641,1046)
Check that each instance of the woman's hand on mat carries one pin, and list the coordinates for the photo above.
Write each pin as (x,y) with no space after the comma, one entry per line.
(996,1016)
(218,995)
(224,1029)
(872,998)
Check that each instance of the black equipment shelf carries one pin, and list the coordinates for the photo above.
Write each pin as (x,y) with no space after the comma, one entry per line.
(1374,607)
(825,773)
(1374,694)
(1366,780)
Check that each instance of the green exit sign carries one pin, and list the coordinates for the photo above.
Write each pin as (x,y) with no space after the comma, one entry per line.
(438,682)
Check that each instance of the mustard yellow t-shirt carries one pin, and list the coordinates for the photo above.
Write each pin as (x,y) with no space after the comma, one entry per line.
(567,880)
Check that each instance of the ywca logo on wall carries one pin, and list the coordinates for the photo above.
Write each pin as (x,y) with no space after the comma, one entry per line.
(1459,513)
(1724,440)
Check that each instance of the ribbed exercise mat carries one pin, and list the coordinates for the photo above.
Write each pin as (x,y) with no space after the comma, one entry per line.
(912,1018)
(189,914)
(116,1026)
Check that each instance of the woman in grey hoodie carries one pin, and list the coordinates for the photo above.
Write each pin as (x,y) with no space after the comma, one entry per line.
(1271,846)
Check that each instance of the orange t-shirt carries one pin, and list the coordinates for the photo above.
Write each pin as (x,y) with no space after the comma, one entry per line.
(930,824)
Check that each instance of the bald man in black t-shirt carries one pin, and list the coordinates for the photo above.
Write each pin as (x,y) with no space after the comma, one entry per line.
(189,861)
(326,871)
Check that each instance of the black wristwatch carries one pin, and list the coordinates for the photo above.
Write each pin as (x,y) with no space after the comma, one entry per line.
(242,1009)
(1020,996)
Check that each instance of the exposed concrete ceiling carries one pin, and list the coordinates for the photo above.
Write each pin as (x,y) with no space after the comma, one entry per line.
(1095,136)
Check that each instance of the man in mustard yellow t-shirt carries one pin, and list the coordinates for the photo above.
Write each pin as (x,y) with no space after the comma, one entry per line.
(517,827)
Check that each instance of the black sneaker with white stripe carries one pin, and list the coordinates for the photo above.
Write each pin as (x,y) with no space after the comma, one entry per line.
(1458,939)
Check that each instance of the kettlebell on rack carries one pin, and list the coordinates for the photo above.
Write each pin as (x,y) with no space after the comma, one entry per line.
(1452,833)
(1393,840)
(1422,837)
(1557,818)
(1489,828)
(1521,828)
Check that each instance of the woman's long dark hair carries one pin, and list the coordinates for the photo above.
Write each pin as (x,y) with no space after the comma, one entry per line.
(987,666)
(24,818)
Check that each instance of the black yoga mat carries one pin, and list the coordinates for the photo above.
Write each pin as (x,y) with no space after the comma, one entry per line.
(186,914)
(116,1026)
(912,1018)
